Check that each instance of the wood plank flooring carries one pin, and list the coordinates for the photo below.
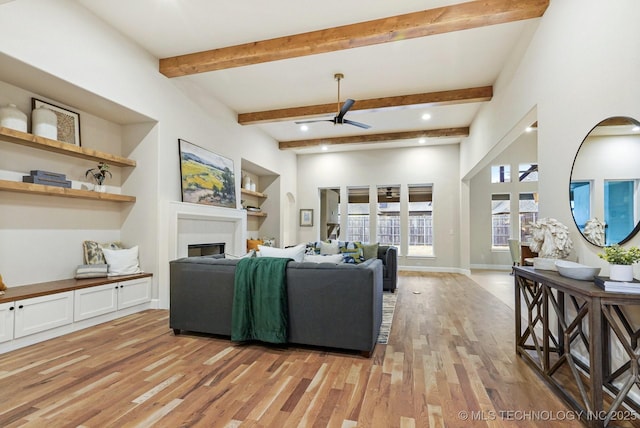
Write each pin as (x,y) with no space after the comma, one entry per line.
(450,353)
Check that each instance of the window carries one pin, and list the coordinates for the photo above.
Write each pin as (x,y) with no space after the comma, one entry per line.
(501,220)
(358,214)
(580,201)
(388,227)
(421,220)
(620,209)
(500,174)
(528,212)
(528,172)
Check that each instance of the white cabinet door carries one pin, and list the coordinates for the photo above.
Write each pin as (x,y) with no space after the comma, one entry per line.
(43,313)
(6,321)
(94,301)
(134,292)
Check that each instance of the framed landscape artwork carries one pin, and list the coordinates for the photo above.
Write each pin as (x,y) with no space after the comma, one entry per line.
(207,178)
(306,217)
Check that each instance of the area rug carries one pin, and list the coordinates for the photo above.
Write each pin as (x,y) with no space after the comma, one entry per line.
(388,308)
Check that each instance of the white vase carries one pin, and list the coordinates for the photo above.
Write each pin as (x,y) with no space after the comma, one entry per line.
(100,188)
(621,273)
(44,123)
(247,182)
(11,117)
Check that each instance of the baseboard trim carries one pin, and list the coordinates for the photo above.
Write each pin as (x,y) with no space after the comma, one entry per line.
(492,267)
(434,269)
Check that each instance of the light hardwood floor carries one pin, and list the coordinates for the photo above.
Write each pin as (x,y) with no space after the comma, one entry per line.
(450,353)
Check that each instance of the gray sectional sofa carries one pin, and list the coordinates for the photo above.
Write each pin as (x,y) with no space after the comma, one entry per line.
(389,256)
(330,305)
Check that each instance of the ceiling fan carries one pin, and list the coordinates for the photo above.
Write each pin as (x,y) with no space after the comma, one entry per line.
(339,118)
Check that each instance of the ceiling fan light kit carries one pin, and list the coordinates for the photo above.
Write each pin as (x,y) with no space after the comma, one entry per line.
(339,118)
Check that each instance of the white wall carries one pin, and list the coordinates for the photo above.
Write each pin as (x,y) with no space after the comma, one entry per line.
(581,66)
(418,165)
(523,150)
(63,39)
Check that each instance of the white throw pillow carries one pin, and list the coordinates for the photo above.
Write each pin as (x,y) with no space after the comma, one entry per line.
(122,262)
(296,253)
(329,247)
(318,258)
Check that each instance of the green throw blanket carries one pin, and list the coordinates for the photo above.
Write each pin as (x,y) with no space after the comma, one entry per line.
(260,300)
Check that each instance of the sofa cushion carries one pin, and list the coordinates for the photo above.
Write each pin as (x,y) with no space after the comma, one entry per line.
(296,253)
(320,258)
(370,251)
(351,251)
(329,248)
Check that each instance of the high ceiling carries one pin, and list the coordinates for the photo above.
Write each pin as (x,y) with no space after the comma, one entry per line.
(455,48)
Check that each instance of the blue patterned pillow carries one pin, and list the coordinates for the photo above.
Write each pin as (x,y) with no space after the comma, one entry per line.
(352,252)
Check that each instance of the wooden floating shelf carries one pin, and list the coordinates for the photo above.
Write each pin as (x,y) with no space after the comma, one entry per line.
(39,189)
(252,193)
(256,214)
(30,140)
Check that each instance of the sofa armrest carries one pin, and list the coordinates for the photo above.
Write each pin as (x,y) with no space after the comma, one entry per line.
(389,256)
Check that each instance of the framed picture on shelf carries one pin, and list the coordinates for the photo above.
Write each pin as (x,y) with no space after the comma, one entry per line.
(68,122)
(207,178)
(306,217)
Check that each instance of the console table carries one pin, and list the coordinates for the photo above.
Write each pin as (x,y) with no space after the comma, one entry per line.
(557,341)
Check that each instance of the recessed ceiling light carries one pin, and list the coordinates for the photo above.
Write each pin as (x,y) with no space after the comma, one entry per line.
(324,148)
(636,129)
(304,128)
(528,129)
(422,140)
(426,116)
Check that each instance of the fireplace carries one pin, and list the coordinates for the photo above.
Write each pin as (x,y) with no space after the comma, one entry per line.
(194,250)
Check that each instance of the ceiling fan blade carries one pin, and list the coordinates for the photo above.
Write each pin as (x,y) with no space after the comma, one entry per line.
(358,124)
(345,108)
(313,121)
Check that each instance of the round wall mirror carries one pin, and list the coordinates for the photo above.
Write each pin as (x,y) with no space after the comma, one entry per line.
(605,180)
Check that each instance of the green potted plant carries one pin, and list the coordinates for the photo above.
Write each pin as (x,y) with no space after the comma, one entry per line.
(621,261)
(99,175)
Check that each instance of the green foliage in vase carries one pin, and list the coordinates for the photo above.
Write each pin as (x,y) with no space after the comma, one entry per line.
(617,255)
(99,173)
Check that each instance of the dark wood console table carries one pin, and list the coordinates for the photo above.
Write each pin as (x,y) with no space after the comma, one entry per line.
(556,341)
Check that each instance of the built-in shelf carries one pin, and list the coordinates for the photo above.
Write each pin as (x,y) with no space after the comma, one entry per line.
(252,193)
(33,141)
(28,291)
(39,189)
(256,213)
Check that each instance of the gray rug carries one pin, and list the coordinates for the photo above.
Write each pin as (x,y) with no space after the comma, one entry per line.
(388,308)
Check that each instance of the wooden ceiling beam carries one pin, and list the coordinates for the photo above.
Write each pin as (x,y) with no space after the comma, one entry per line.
(463,16)
(376,138)
(457,96)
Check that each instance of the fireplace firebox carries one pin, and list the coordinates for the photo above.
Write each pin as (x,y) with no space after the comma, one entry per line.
(195,250)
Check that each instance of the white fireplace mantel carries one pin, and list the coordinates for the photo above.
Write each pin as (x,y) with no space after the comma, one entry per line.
(232,222)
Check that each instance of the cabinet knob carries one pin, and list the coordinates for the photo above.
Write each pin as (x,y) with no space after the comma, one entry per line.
(11,308)
(122,286)
(20,307)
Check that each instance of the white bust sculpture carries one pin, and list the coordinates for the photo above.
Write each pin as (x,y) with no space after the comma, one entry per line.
(550,239)
(594,231)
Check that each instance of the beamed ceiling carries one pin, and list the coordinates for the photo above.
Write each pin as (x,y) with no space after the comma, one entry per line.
(273,63)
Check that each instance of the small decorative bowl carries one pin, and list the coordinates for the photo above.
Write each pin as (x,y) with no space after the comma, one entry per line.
(576,270)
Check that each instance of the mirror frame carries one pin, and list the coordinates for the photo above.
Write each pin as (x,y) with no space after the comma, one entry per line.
(636,228)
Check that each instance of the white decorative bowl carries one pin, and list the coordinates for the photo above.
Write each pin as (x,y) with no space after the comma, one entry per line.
(542,263)
(576,270)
